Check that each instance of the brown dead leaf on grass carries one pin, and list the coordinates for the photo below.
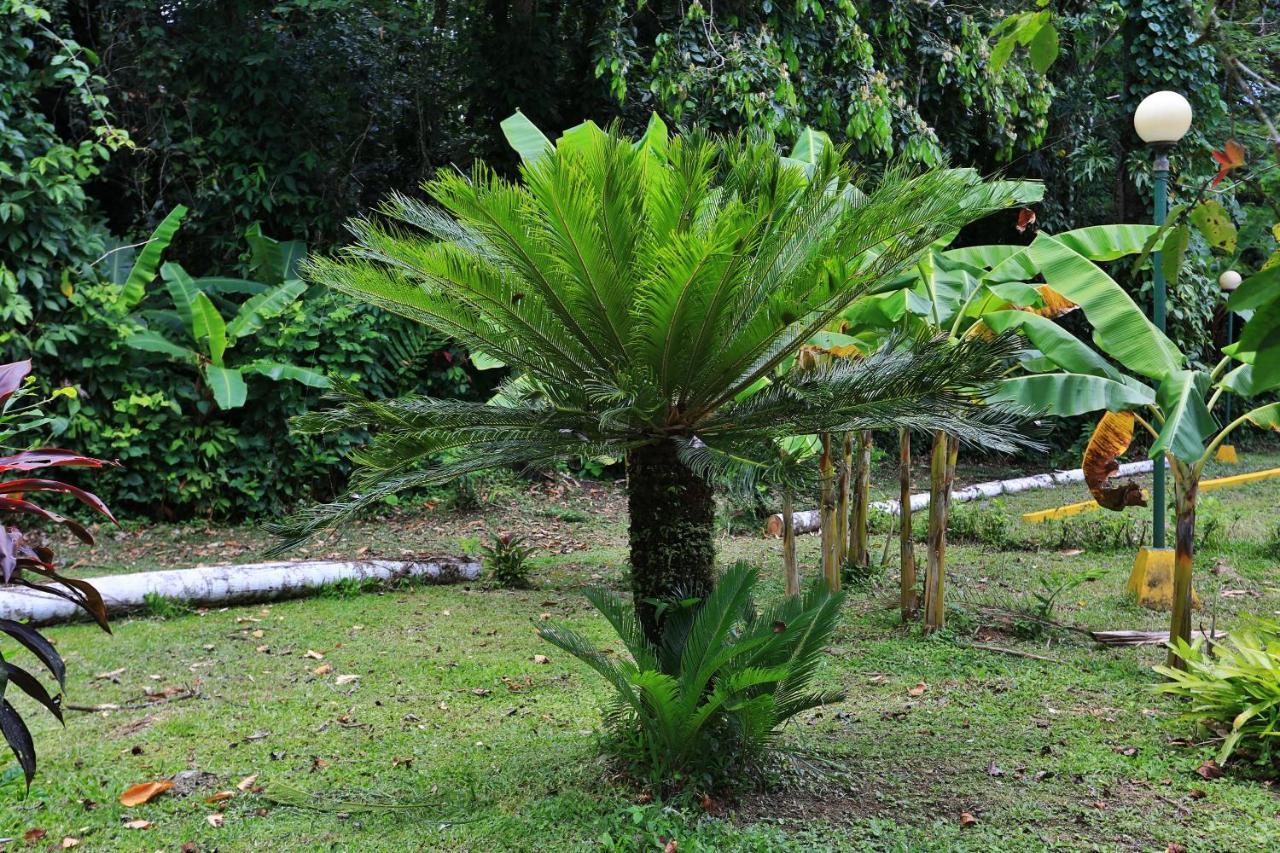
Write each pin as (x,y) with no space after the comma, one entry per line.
(144,792)
(216,819)
(918,690)
(138,824)
(1210,770)
(220,796)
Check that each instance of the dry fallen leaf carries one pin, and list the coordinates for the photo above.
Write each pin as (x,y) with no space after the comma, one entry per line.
(33,835)
(1210,770)
(215,820)
(345,679)
(220,796)
(247,782)
(258,634)
(541,659)
(918,690)
(138,824)
(113,675)
(1197,793)
(967,819)
(143,792)
(480,691)
(323,669)
(263,648)
(68,842)
(1071,552)
(314,655)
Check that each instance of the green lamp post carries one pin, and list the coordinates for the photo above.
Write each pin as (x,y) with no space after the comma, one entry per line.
(1161,120)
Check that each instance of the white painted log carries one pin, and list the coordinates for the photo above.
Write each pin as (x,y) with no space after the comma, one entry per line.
(808,521)
(221,585)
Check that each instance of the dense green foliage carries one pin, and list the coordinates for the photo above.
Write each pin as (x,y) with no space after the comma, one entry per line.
(299,114)
(1232,689)
(703,703)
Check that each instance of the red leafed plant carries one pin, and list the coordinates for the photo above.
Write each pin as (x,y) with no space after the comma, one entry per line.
(31,565)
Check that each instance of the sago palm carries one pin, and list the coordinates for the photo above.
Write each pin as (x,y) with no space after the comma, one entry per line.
(644,295)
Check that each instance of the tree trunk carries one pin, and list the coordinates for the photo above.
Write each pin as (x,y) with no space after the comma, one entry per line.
(843,555)
(941,468)
(1185,485)
(859,550)
(672,533)
(790,571)
(826,471)
(910,602)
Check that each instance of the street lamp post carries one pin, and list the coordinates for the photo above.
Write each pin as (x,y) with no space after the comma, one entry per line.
(1161,120)
(1228,281)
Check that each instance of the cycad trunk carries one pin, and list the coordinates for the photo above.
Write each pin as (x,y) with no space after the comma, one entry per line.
(941,472)
(906,548)
(790,571)
(672,512)
(1185,485)
(827,473)
(859,551)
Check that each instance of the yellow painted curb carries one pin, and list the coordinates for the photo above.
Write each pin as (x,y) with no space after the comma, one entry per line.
(1151,581)
(1205,486)
(1226,454)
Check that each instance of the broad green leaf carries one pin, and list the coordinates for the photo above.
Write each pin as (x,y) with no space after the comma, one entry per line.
(1267,417)
(151,341)
(1121,330)
(1213,221)
(655,137)
(227,385)
(985,257)
(144,269)
(1243,382)
(484,361)
(273,261)
(1259,342)
(277,371)
(800,446)
(1107,242)
(258,309)
(1069,394)
(1018,266)
(1058,345)
(810,145)
(182,290)
(208,327)
(118,262)
(1044,48)
(1175,249)
(223,285)
(1188,425)
(524,136)
(1257,290)
(1017,293)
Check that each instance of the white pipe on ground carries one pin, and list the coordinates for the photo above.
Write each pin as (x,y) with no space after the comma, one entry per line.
(219,585)
(809,521)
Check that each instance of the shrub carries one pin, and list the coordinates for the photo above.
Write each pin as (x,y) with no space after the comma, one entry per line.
(507,559)
(1233,688)
(31,565)
(703,703)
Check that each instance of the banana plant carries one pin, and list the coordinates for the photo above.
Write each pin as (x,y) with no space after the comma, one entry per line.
(1139,377)
(954,292)
(195,332)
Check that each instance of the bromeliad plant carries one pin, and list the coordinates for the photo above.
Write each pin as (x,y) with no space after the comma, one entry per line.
(196,314)
(32,565)
(1178,412)
(704,699)
(644,293)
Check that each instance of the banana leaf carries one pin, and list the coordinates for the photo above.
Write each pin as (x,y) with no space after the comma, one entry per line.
(1070,394)
(1188,425)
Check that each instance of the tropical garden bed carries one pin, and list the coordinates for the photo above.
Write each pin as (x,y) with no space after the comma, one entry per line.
(452,734)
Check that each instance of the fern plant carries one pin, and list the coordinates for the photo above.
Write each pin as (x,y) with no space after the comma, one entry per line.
(1233,688)
(644,294)
(708,697)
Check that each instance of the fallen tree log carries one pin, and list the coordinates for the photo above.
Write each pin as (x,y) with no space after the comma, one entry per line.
(1141,638)
(221,585)
(808,521)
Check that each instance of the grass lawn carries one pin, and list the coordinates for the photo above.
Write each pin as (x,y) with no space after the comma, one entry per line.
(451,736)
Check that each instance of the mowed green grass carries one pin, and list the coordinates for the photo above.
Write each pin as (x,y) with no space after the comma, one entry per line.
(459,739)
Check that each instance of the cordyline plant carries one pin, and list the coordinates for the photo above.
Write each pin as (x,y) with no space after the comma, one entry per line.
(32,565)
(644,293)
